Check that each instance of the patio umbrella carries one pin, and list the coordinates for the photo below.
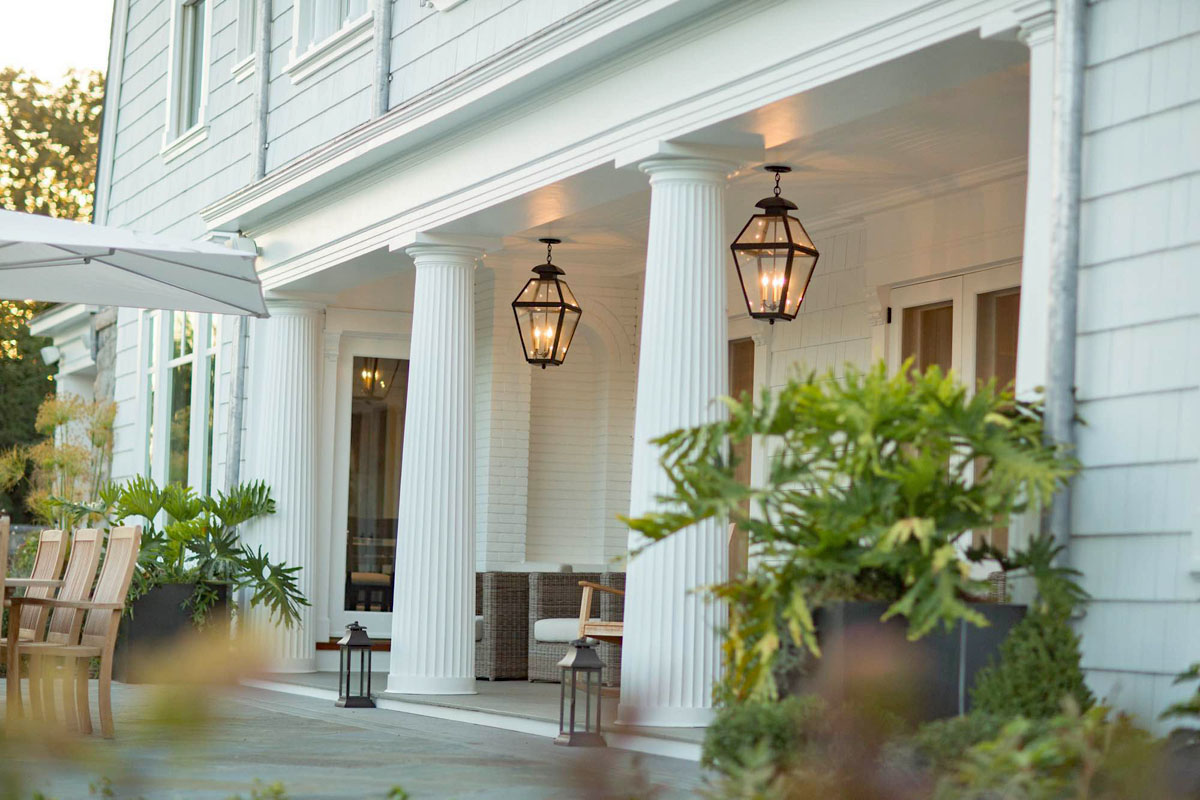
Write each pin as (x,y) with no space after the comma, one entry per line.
(57,260)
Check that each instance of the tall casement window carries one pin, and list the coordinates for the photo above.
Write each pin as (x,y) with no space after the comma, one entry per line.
(180,351)
(247,38)
(189,68)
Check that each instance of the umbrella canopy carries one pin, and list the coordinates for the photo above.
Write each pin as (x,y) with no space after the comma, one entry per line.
(57,260)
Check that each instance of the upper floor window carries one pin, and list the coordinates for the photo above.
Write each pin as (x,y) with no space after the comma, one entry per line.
(321,19)
(247,38)
(189,78)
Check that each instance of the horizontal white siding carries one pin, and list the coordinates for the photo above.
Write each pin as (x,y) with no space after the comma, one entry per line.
(1138,371)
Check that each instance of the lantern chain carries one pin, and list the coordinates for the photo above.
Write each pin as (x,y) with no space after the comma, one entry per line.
(777,190)
(548,246)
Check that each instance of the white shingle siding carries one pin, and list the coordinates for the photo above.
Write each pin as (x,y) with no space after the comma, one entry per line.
(1138,368)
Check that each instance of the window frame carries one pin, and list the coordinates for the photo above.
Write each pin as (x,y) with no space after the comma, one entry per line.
(247,36)
(181,78)
(319,39)
(155,363)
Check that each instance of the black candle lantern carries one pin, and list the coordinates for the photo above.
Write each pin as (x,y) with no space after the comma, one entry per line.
(547,314)
(355,641)
(775,258)
(579,697)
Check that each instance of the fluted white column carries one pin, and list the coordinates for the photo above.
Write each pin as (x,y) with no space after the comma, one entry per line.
(671,650)
(282,453)
(433,617)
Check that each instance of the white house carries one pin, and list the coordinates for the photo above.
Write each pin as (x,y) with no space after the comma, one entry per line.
(397,161)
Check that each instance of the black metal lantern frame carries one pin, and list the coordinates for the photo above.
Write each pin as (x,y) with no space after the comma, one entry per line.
(579,723)
(547,314)
(355,641)
(775,258)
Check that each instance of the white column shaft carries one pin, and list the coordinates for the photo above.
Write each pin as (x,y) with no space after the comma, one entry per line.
(671,650)
(283,455)
(1032,332)
(433,618)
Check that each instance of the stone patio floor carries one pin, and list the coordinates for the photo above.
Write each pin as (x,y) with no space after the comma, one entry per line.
(318,751)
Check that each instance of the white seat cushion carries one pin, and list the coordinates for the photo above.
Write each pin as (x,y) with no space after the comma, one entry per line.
(557,630)
(479,627)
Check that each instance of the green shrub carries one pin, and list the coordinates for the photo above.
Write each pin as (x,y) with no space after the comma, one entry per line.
(748,733)
(939,745)
(1077,755)
(1038,668)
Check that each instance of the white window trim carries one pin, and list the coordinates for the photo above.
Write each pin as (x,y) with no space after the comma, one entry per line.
(205,347)
(322,54)
(243,69)
(442,5)
(176,142)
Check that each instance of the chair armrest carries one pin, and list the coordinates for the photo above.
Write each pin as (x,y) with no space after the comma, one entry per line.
(56,603)
(32,583)
(602,587)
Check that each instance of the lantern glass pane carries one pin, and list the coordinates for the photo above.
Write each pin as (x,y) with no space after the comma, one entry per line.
(570,323)
(763,272)
(799,235)
(538,326)
(802,270)
(567,295)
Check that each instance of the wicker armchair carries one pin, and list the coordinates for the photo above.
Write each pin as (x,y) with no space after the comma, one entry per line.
(558,595)
(502,601)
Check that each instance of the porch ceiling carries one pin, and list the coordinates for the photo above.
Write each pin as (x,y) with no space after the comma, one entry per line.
(914,127)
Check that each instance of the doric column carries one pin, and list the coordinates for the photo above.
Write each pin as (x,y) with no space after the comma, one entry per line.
(433,617)
(1037,32)
(671,652)
(282,453)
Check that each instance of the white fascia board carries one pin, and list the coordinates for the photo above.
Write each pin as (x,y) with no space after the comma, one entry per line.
(66,319)
(591,118)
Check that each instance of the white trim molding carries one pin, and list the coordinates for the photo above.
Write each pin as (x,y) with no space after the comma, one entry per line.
(324,53)
(184,142)
(243,69)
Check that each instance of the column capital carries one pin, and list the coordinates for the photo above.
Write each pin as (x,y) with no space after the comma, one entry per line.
(687,168)
(424,255)
(286,306)
(1035,21)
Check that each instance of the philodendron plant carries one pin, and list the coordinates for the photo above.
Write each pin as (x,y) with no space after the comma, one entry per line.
(199,543)
(875,483)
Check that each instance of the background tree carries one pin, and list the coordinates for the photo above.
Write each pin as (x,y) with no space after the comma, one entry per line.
(49,135)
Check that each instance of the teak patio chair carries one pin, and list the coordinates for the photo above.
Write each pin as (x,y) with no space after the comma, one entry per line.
(97,637)
(75,585)
(42,581)
(599,629)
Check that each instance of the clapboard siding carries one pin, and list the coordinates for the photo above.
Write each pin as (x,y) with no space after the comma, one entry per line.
(429,47)
(1138,365)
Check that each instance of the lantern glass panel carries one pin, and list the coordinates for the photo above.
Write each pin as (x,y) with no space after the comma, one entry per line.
(764,275)
(802,272)
(570,319)
(800,236)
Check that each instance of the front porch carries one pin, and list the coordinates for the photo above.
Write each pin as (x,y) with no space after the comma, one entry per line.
(518,706)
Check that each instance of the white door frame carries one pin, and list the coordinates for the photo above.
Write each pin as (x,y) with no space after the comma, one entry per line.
(379,623)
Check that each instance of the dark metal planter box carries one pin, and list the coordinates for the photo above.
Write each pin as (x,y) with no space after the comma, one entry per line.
(159,620)
(932,676)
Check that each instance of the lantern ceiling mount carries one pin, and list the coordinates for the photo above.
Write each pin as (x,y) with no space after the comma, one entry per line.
(547,313)
(774,257)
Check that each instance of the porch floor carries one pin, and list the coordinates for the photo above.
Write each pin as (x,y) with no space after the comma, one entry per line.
(521,706)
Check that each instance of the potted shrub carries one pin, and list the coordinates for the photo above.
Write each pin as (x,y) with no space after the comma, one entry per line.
(190,564)
(874,486)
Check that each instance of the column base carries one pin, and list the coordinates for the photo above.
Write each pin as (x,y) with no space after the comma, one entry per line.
(292,665)
(664,716)
(416,684)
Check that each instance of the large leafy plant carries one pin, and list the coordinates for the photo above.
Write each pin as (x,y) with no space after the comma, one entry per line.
(199,543)
(874,487)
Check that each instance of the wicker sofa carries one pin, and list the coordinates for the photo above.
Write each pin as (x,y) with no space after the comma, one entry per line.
(554,600)
(501,625)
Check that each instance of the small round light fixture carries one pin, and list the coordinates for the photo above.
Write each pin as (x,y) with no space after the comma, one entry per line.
(774,257)
(547,313)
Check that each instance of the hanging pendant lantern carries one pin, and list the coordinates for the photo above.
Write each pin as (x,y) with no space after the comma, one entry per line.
(547,314)
(775,258)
